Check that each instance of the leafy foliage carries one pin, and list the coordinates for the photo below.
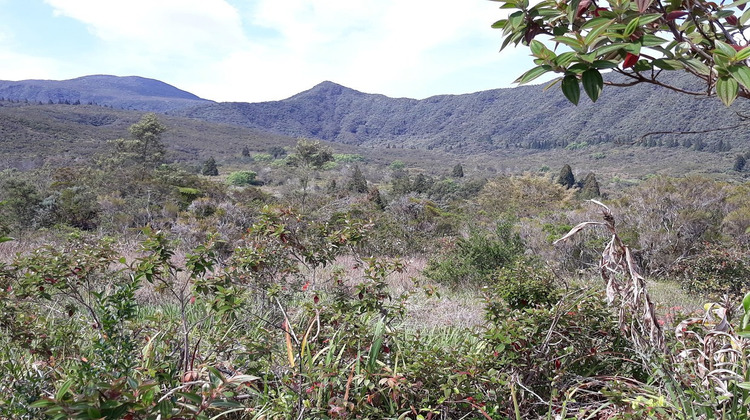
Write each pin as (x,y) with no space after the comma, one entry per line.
(638,39)
(240,178)
(474,258)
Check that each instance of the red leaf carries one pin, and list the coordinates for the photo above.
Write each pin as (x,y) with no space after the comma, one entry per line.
(738,47)
(582,7)
(630,60)
(597,10)
(676,14)
(732,20)
(643,5)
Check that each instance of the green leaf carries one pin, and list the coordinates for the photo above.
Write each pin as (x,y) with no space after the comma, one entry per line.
(225,404)
(564,59)
(516,19)
(695,65)
(631,27)
(727,89)
(744,385)
(745,16)
(633,48)
(741,73)
(601,51)
(724,49)
(649,40)
(746,303)
(651,17)
(537,48)
(500,24)
(196,399)
(734,4)
(533,74)
(571,42)
(596,22)
(570,88)
(595,33)
(41,403)
(605,64)
(592,83)
(743,54)
(63,389)
(665,64)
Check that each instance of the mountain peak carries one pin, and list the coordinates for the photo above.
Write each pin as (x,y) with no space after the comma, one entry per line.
(326,89)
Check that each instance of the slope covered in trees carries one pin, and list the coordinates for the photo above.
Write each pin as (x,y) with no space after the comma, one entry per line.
(526,116)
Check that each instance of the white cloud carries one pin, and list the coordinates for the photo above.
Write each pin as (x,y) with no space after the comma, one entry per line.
(395,47)
(170,28)
(254,50)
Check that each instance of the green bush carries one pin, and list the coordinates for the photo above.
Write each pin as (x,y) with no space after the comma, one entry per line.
(715,271)
(550,349)
(241,178)
(523,284)
(475,257)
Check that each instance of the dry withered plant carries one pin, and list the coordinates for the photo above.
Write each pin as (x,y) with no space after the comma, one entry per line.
(709,373)
(626,286)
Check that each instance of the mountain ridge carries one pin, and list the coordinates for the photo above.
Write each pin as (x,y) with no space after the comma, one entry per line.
(124,92)
(526,117)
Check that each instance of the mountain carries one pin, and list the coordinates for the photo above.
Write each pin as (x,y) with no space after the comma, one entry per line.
(131,92)
(34,135)
(526,116)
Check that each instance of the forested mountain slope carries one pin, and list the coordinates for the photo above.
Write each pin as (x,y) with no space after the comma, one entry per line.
(526,116)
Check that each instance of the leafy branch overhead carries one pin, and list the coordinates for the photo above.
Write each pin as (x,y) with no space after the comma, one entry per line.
(640,39)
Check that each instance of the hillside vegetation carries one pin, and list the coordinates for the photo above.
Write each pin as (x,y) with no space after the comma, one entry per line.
(299,281)
(527,117)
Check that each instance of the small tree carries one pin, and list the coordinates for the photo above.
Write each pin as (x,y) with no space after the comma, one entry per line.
(209,167)
(739,163)
(309,156)
(566,177)
(245,151)
(590,187)
(358,183)
(147,133)
(458,171)
(277,152)
(145,149)
(421,184)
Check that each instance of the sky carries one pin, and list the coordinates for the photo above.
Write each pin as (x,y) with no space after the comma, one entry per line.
(263,50)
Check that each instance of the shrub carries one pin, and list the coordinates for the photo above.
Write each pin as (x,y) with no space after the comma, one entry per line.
(475,257)
(241,178)
(523,284)
(262,157)
(715,271)
(551,349)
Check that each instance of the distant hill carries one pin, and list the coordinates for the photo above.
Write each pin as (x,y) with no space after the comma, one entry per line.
(526,116)
(34,135)
(131,92)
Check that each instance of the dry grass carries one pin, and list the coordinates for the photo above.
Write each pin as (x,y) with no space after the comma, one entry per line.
(428,305)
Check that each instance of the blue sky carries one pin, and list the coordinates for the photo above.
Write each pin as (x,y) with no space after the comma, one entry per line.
(259,50)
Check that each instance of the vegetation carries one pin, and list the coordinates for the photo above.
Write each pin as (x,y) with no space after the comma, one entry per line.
(638,40)
(321,282)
